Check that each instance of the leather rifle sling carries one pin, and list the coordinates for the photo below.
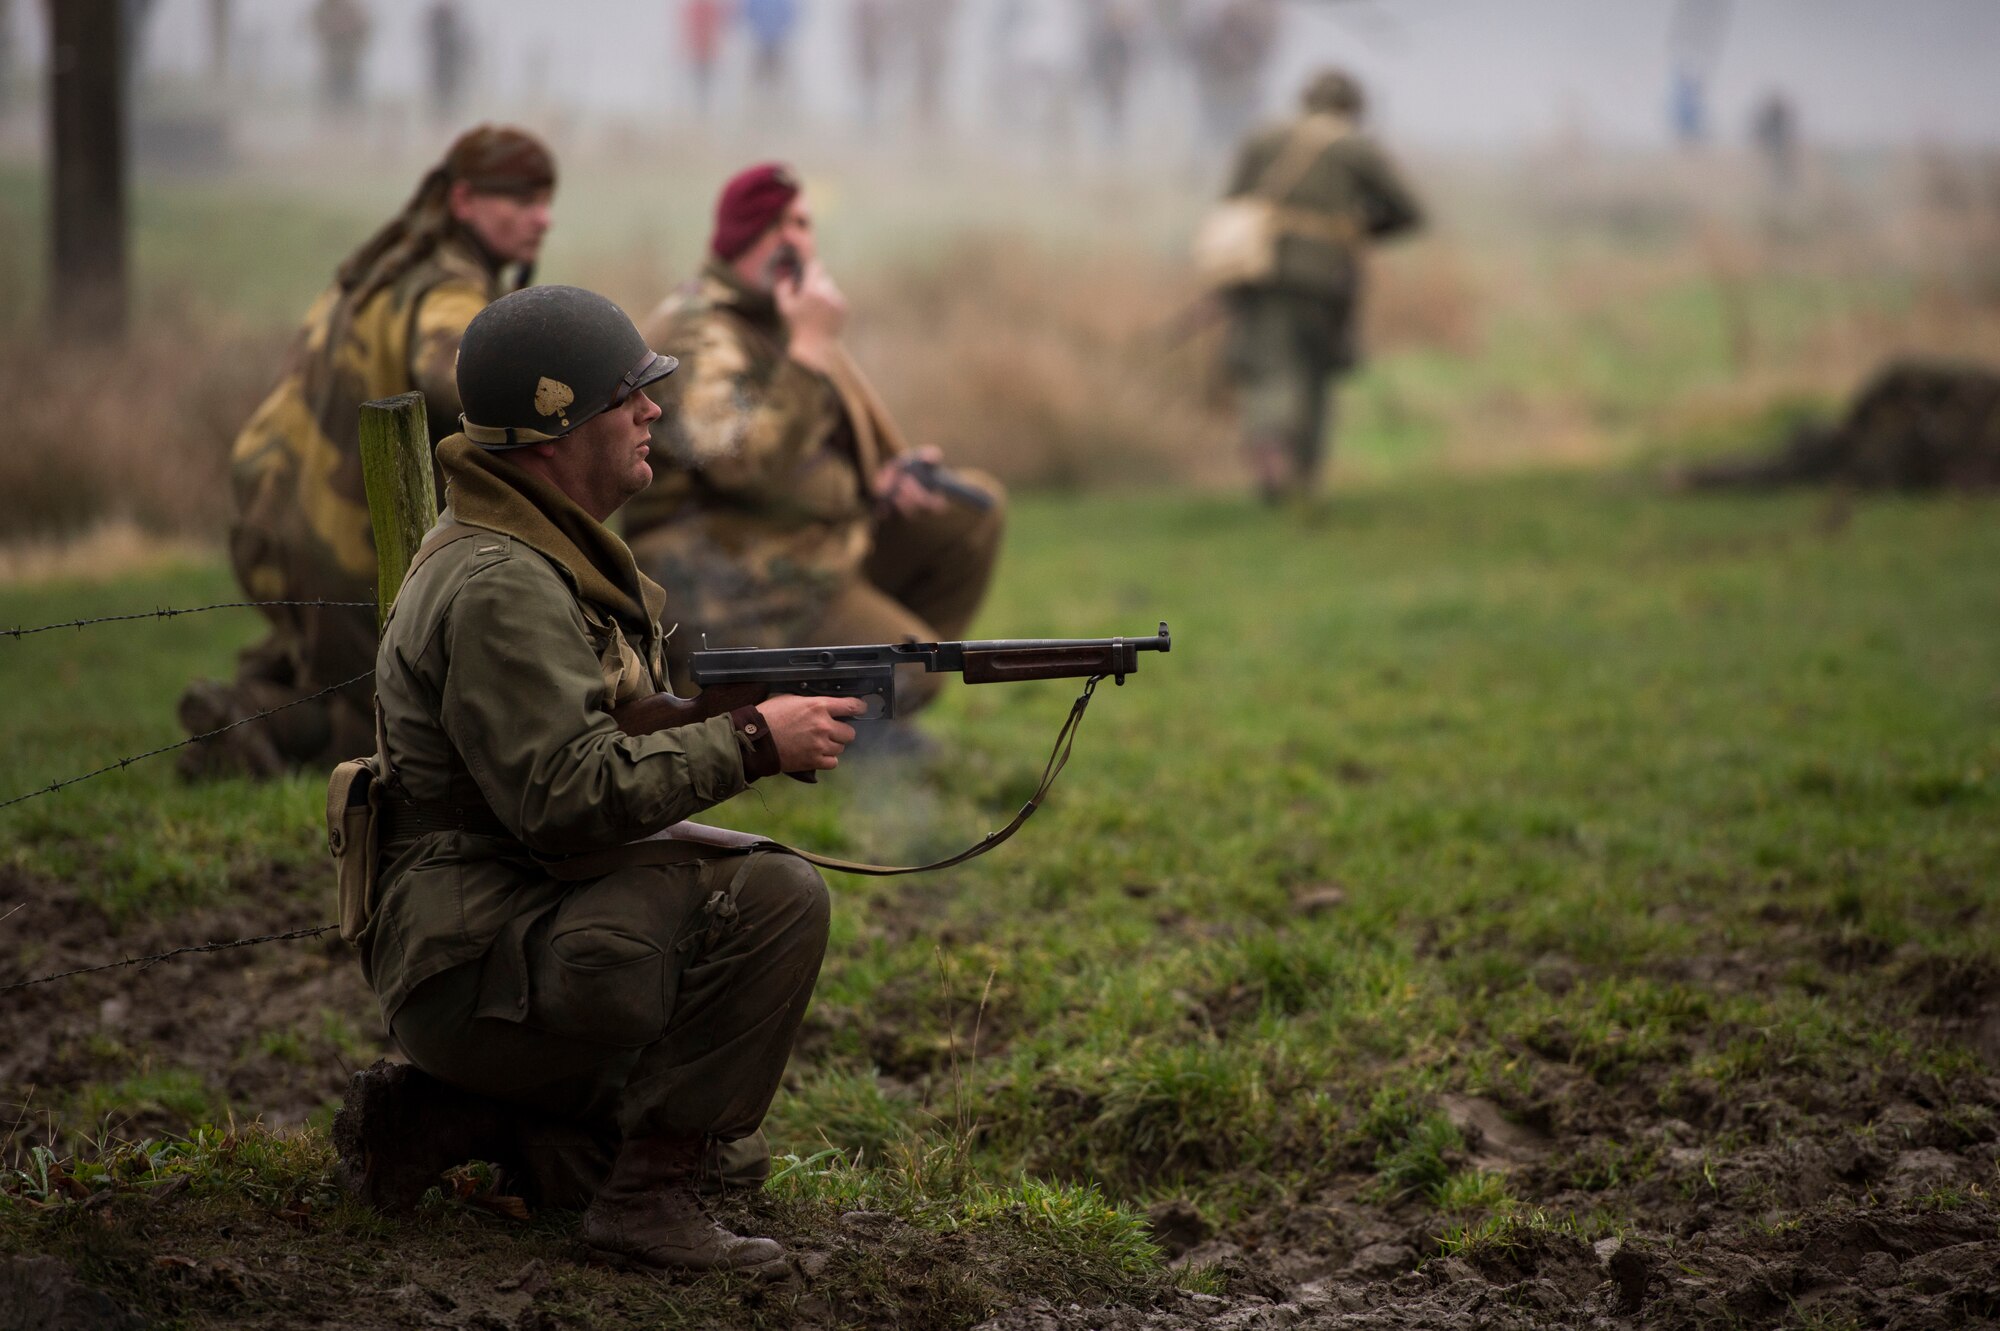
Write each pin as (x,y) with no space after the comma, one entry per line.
(597,863)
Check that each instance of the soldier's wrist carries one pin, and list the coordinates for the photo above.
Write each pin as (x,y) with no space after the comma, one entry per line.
(755,741)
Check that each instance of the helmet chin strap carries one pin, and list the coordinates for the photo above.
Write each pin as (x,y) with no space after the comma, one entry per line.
(506,439)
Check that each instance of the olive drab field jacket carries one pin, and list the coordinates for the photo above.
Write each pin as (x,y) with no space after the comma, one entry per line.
(496,673)
(1349,180)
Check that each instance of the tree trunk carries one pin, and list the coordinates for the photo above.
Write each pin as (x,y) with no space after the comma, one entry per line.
(87,91)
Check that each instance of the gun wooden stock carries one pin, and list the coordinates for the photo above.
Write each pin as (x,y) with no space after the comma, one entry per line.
(1022,663)
(664,711)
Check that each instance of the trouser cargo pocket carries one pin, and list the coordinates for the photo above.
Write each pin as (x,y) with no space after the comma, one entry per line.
(601,984)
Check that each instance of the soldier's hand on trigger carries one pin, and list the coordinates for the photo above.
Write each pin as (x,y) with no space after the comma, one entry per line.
(901,493)
(809,732)
(815,311)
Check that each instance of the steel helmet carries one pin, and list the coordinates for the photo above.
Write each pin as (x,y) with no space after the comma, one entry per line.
(536,364)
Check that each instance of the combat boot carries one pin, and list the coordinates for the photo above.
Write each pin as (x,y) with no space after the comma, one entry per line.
(648,1214)
(399,1128)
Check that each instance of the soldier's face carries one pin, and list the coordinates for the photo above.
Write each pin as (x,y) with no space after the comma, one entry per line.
(783,252)
(510,226)
(610,455)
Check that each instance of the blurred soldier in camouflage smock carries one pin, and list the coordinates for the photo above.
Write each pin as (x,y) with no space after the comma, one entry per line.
(390,323)
(1292,331)
(782,512)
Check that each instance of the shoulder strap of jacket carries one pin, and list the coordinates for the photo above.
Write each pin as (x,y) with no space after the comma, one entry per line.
(449,534)
(1307,139)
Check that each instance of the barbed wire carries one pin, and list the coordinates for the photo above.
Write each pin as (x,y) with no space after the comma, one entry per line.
(157,957)
(124,763)
(54,786)
(19,633)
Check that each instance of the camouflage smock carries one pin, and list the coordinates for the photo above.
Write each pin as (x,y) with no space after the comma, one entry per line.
(301,508)
(760,506)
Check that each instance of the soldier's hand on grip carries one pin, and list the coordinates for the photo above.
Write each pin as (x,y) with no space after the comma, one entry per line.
(897,490)
(808,731)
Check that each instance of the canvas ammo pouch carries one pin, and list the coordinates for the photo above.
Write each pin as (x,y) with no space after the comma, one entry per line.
(1237,242)
(354,838)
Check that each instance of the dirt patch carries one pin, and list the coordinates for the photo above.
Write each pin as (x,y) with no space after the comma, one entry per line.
(41,1294)
(308,1260)
(1641,1194)
(266,1032)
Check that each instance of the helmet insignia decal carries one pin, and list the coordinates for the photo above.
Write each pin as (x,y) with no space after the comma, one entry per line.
(551,396)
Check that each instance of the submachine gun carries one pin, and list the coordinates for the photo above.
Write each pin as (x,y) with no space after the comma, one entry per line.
(733,677)
(743,677)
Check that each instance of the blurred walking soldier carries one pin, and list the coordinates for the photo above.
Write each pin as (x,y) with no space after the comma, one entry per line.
(789,510)
(1285,251)
(548,968)
(391,322)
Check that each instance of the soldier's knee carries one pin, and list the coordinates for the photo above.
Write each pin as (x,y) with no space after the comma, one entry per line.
(788,896)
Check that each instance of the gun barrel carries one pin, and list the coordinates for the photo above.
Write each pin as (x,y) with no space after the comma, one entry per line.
(1159,642)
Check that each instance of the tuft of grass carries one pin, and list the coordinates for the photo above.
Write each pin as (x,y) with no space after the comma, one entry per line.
(846,1110)
(1473,1190)
(180,1093)
(1420,1164)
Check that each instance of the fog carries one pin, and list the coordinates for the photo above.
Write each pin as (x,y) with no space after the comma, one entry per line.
(1446,73)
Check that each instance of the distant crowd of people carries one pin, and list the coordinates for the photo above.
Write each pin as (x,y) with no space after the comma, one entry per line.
(1044,60)
(1046,64)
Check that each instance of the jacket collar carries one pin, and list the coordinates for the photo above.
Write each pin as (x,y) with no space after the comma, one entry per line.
(485,490)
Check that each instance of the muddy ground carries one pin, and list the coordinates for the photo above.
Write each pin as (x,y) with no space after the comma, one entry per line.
(270,1030)
(1789,1200)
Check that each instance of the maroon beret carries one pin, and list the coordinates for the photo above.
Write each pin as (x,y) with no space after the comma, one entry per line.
(751,204)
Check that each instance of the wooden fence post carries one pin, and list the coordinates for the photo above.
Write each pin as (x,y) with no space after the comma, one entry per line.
(402,503)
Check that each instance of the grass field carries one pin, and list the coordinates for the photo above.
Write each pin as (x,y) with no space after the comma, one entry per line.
(1494,867)
(1523,897)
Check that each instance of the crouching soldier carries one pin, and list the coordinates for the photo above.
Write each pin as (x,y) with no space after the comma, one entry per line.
(390,322)
(551,977)
(793,513)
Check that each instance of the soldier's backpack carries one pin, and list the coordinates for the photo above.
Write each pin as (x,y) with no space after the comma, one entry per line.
(1237,243)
